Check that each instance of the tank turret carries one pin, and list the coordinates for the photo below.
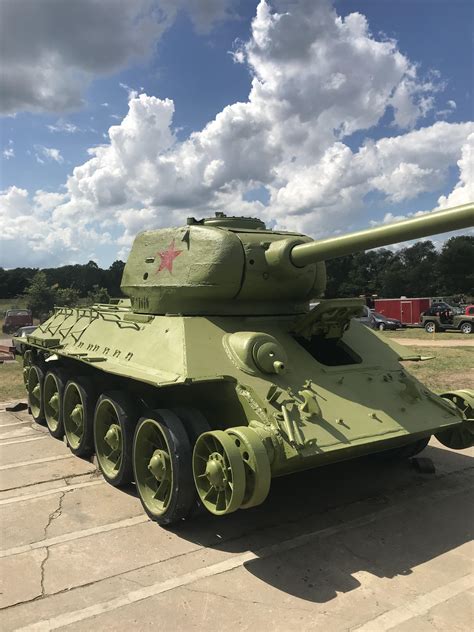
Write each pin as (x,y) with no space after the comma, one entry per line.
(235,265)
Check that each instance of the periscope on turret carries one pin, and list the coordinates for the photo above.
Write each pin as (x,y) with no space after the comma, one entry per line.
(216,376)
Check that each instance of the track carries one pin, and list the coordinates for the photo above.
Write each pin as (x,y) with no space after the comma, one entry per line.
(357,546)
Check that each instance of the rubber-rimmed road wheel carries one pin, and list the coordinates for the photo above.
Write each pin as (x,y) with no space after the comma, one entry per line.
(162,467)
(381,326)
(466,328)
(114,425)
(406,451)
(53,390)
(195,425)
(430,327)
(78,416)
(27,362)
(35,393)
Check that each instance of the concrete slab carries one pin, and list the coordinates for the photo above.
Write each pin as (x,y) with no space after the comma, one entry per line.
(345,547)
(43,472)
(21,578)
(14,453)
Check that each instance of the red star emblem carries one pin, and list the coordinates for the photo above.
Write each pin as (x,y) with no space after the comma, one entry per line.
(167,257)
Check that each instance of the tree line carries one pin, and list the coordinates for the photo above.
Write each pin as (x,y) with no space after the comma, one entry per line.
(67,285)
(418,270)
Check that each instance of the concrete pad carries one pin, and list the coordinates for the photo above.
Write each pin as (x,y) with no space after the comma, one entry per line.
(455,614)
(16,432)
(23,523)
(333,548)
(42,472)
(29,451)
(20,577)
(78,509)
(104,555)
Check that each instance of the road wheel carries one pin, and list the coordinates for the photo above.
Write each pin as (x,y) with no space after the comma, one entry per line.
(430,327)
(35,393)
(195,425)
(78,416)
(53,390)
(162,467)
(459,436)
(381,326)
(466,328)
(27,362)
(406,451)
(114,424)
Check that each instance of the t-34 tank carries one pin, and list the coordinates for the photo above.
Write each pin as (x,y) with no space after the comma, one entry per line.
(217,375)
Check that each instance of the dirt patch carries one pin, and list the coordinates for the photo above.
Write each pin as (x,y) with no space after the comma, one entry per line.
(422,342)
(451,381)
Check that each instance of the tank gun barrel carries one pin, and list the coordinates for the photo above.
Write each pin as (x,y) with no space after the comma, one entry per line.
(433,223)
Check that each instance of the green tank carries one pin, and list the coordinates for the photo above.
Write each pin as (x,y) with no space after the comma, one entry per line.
(217,375)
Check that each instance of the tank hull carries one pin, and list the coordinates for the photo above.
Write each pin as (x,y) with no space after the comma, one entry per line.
(350,398)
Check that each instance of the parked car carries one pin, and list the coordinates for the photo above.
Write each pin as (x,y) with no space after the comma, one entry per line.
(374,320)
(22,333)
(16,318)
(440,322)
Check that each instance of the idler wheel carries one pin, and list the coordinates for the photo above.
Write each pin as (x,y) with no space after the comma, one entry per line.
(257,465)
(162,467)
(219,472)
(53,390)
(461,436)
(114,424)
(78,416)
(35,393)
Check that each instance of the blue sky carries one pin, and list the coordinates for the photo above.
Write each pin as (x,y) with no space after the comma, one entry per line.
(190,58)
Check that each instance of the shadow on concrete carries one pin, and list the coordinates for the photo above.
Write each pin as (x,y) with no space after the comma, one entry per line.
(384,518)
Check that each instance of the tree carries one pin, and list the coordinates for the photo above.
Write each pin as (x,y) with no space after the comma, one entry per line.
(113,278)
(98,295)
(455,266)
(67,297)
(40,297)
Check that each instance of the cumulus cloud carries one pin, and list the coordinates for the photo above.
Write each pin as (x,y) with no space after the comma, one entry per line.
(463,192)
(52,49)
(45,246)
(316,79)
(64,126)
(9,151)
(48,154)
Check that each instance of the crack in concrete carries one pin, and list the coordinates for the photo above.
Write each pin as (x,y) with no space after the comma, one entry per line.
(67,480)
(248,601)
(42,576)
(446,475)
(54,514)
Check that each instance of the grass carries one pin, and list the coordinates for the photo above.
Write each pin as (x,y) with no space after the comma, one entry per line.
(420,333)
(11,381)
(451,369)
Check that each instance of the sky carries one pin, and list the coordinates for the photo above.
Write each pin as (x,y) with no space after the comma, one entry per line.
(317,116)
